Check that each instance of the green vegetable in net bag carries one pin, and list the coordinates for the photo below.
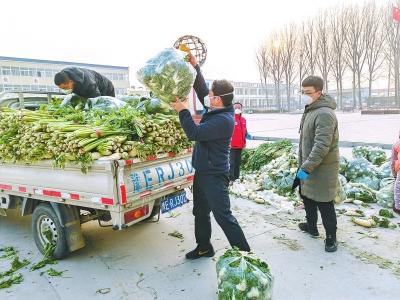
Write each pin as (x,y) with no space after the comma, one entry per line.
(242,276)
(385,195)
(359,191)
(168,75)
(361,152)
(377,156)
(106,103)
(360,167)
(343,162)
(385,170)
(371,182)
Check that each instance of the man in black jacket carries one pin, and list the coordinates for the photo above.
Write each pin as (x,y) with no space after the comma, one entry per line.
(211,162)
(84,82)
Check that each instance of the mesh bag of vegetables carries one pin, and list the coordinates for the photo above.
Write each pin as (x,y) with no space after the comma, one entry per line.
(385,195)
(377,156)
(385,170)
(359,191)
(168,75)
(284,182)
(360,167)
(242,276)
(371,182)
(104,103)
(153,106)
(361,152)
(343,162)
(75,101)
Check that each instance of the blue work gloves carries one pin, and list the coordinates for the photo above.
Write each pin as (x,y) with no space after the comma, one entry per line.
(302,175)
(249,136)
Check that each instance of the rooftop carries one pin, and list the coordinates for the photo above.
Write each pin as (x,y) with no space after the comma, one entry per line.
(56,62)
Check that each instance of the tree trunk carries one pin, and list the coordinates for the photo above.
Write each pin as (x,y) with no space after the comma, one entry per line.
(354,90)
(359,89)
(341,92)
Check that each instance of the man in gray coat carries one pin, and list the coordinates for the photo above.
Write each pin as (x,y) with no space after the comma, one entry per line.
(319,161)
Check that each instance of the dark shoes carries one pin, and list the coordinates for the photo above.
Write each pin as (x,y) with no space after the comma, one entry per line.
(205,251)
(312,231)
(330,243)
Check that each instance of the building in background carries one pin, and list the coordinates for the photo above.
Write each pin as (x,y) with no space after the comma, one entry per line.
(24,74)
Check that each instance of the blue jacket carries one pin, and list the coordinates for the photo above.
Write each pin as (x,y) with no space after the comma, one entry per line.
(213,134)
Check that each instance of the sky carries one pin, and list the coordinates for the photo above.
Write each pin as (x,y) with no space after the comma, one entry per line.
(127,33)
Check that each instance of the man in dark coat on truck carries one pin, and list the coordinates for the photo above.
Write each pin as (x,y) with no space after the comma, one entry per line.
(211,162)
(84,83)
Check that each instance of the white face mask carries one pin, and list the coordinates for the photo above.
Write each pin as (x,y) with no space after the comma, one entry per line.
(69,91)
(207,101)
(238,111)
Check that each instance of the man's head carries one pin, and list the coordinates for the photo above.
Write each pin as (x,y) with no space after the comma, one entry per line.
(312,86)
(62,80)
(221,94)
(238,108)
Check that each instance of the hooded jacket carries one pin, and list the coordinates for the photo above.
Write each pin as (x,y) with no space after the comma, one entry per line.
(319,150)
(89,83)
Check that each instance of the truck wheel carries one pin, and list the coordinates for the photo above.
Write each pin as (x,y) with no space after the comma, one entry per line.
(46,229)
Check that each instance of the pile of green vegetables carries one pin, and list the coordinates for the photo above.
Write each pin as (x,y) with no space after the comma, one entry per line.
(242,276)
(366,177)
(168,75)
(68,134)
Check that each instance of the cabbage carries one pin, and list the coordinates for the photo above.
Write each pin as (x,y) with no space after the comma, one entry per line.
(343,162)
(385,195)
(371,182)
(360,167)
(168,75)
(242,276)
(359,191)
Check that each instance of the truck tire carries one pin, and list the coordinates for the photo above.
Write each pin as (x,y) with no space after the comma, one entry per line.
(44,223)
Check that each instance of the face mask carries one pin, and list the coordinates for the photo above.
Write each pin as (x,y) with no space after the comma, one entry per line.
(69,91)
(207,101)
(238,111)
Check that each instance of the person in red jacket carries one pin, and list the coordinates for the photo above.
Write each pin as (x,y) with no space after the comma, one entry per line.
(238,142)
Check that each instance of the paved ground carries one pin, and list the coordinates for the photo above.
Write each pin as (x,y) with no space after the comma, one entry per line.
(143,262)
(352,126)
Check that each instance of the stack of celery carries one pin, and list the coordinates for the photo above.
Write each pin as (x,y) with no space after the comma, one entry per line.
(67,135)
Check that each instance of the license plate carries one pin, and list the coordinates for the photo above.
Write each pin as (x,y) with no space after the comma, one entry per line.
(173,201)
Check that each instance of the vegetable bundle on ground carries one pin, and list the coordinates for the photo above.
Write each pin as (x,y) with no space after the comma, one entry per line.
(64,134)
(168,75)
(242,276)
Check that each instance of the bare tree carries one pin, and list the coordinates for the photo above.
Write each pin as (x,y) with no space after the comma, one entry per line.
(289,44)
(355,47)
(275,61)
(375,40)
(338,26)
(323,39)
(303,67)
(263,68)
(310,45)
(392,47)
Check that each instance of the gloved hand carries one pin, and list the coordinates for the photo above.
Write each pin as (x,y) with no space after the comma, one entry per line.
(302,175)
(249,136)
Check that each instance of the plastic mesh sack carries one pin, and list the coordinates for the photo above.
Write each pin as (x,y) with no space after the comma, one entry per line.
(360,167)
(343,162)
(168,75)
(385,195)
(371,182)
(377,156)
(361,192)
(283,183)
(242,276)
(385,170)
(104,103)
(361,152)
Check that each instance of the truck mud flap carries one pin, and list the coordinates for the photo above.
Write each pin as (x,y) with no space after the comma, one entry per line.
(69,219)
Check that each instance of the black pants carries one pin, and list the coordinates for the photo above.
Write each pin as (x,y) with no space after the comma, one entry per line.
(210,193)
(328,215)
(235,159)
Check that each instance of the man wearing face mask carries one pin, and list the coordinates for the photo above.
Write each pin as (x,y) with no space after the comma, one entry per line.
(211,161)
(238,142)
(319,161)
(84,83)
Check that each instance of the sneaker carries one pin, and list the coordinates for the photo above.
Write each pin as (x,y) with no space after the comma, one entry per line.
(207,251)
(304,227)
(330,243)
